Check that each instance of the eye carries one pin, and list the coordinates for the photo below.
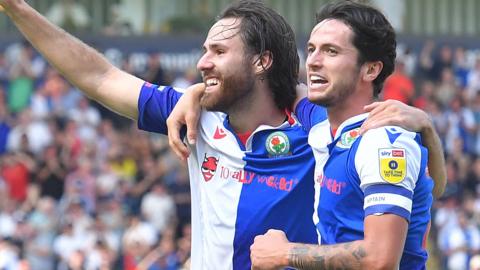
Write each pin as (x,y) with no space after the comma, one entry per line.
(220,52)
(310,50)
(331,51)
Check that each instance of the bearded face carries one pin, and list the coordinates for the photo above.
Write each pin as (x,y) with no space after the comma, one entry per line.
(227,69)
(233,85)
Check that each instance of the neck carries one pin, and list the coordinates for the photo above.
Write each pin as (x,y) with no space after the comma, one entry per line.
(349,107)
(255,110)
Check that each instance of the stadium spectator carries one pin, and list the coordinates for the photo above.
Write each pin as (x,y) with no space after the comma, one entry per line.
(473,80)
(87,118)
(427,89)
(180,190)
(66,244)
(4,72)
(117,25)
(425,63)
(43,221)
(446,88)
(186,79)
(15,169)
(28,134)
(51,173)
(138,240)
(5,124)
(8,214)
(80,185)
(399,85)
(69,14)
(443,60)
(23,73)
(158,207)
(461,126)
(460,67)
(155,72)
(463,241)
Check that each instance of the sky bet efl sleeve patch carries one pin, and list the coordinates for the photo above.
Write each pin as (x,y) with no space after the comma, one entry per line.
(393,164)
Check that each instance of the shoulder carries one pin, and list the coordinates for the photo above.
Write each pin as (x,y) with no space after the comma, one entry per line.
(389,136)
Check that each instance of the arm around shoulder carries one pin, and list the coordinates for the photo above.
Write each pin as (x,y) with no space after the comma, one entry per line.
(436,160)
(392,112)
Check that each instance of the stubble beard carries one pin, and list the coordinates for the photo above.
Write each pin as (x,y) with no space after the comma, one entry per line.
(337,93)
(233,90)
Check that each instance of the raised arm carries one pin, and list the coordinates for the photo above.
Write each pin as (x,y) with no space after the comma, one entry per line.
(392,112)
(83,66)
(380,249)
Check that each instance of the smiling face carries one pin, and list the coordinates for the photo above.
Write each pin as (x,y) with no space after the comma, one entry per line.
(332,63)
(226,69)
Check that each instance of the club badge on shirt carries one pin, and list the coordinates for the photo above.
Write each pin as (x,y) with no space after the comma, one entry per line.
(277,144)
(348,138)
(393,164)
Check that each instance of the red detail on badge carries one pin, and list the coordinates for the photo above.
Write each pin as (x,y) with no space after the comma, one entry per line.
(397,153)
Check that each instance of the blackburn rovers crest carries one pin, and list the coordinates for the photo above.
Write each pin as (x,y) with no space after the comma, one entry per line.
(348,138)
(277,144)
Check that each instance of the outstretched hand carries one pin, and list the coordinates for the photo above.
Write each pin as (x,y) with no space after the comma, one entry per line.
(5,5)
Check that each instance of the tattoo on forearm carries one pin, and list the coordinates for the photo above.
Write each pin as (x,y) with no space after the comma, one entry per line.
(333,257)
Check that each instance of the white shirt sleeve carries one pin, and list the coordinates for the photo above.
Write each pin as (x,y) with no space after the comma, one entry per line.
(388,163)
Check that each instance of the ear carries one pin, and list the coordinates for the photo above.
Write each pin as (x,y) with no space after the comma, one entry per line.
(371,70)
(263,62)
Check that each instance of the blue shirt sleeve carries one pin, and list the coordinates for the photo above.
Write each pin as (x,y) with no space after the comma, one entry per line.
(309,114)
(154,106)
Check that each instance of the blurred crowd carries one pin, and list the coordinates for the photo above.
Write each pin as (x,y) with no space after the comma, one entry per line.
(81,188)
(444,81)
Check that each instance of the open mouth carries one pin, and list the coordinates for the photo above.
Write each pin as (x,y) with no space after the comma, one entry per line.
(317,81)
(207,175)
(211,82)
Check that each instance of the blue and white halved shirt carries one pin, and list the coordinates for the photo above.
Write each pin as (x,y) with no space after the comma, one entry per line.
(239,192)
(382,171)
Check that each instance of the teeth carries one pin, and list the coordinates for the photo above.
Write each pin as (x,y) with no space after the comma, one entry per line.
(211,82)
(316,79)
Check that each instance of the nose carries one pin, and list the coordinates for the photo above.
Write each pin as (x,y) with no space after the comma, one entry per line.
(314,59)
(204,63)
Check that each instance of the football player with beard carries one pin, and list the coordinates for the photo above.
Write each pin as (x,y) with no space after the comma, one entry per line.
(250,166)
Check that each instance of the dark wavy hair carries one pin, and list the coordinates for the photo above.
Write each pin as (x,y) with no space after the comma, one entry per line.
(374,36)
(262,29)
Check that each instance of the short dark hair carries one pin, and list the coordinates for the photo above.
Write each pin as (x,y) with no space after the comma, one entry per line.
(374,36)
(262,29)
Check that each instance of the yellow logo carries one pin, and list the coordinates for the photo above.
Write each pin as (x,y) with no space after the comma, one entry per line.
(393,165)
